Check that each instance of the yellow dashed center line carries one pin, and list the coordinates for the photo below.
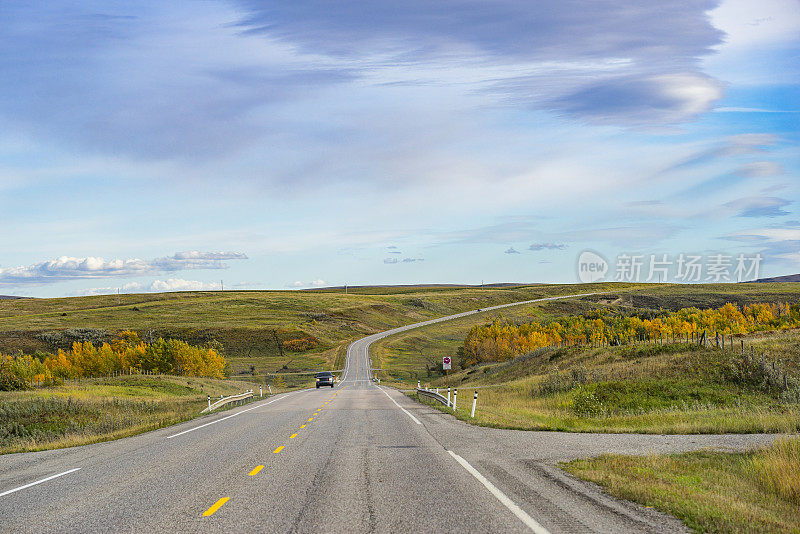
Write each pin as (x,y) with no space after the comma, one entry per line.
(316,413)
(256,470)
(279,449)
(216,506)
(302,426)
(293,436)
(310,419)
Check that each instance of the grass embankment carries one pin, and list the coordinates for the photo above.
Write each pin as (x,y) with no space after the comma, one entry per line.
(755,491)
(663,389)
(245,321)
(670,388)
(103,409)
(415,354)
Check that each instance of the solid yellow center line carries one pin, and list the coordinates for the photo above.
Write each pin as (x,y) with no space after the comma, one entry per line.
(256,470)
(293,436)
(279,449)
(216,506)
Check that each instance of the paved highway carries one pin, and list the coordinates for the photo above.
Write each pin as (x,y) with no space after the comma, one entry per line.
(355,458)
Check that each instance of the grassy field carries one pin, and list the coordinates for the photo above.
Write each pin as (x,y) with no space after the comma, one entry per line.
(246,322)
(103,409)
(755,491)
(533,392)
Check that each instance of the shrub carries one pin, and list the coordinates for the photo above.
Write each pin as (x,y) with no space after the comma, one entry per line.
(756,372)
(300,344)
(586,403)
(9,381)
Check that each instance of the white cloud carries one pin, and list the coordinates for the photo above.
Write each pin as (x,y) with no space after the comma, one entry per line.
(299,284)
(71,268)
(179,284)
(157,286)
(749,23)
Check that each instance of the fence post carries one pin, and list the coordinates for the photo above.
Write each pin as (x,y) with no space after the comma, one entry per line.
(455,398)
(474,402)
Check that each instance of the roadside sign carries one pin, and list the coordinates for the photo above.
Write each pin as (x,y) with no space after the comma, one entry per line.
(446,362)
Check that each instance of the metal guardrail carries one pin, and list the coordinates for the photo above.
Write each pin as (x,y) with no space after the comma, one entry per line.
(225,400)
(425,392)
(433,395)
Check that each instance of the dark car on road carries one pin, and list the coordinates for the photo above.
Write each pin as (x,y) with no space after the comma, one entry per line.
(325,378)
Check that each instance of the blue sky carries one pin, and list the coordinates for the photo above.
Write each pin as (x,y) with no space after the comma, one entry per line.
(152,146)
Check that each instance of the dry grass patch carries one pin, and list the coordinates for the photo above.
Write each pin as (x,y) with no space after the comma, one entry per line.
(754,491)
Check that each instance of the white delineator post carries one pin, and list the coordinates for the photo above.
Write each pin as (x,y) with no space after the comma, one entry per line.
(260,391)
(417,384)
(455,397)
(448,396)
(270,389)
(209,403)
(474,402)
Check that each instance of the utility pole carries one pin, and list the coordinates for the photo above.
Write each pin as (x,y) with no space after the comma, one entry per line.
(221,286)
(345,288)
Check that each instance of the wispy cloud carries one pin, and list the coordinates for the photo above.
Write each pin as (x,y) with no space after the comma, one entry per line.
(547,246)
(735,145)
(759,169)
(392,261)
(511,250)
(72,268)
(758,206)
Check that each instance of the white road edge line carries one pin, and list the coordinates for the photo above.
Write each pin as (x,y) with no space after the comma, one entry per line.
(39,481)
(530,522)
(234,415)
(395,403)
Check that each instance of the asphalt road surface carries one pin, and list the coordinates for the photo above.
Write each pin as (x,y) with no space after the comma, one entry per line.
(354,458)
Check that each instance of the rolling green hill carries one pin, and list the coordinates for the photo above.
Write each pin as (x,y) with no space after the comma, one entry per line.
(247,323)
